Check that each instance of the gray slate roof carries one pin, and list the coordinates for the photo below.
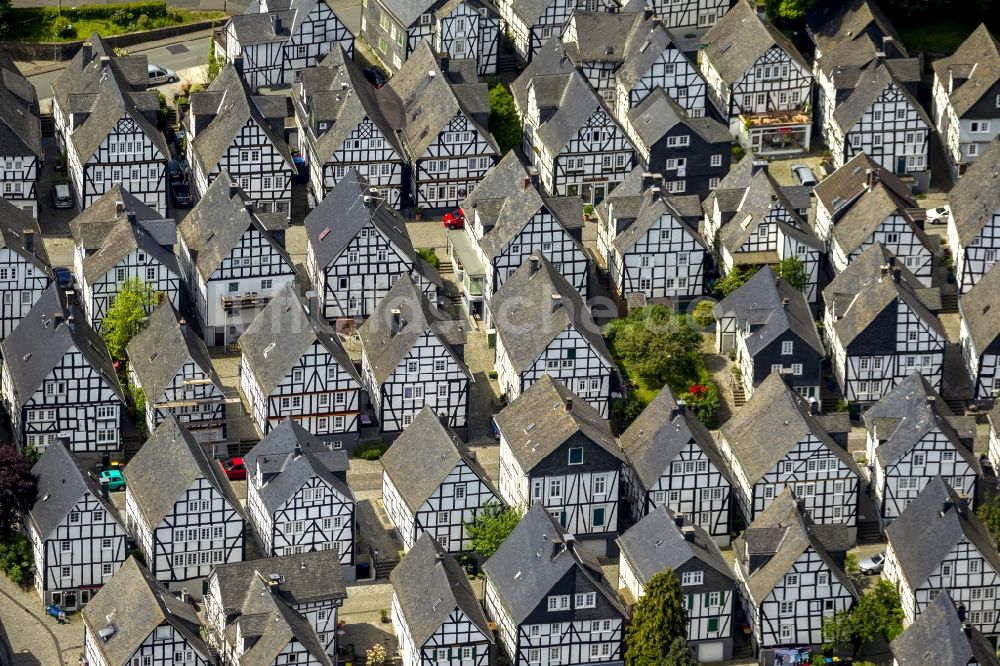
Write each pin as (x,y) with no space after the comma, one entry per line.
(20,128)
(290,471)
(938,534)
(600,36)
(430,584)
(158,352)
(760,302)
(536,555)
(658,435)
(976,196)
(217,223)
(770,424)
(287,438)
(538,422)
(281,333)
(649,213)
(980,310)
(171,447)
(62,483)
(40,341)
(938,636)
(646,42)
(14,222)
(978,60)
(274,625)
(849,33)
(658,114)
(423,456)
(873,80)
(762,194)
(386,350)
(525,321)
(739,38)
(848,184)
(138,604)
(656,543)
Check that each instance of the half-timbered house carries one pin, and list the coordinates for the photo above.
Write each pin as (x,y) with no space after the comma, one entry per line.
(444,125)
(435,612)
(912,437)
(230,129)
(686,15)
(672,460)
(433,484)
(758,82)
(791,580)
(941,635)
(993,450)
(544,328)
(20,126)
(974,219)
(25,272)
(558,450)
(549,598)
(979,335)
(341,126)
(966,99)
(277,39)
(295,366)
(570,136)
(77,537)
(357,246)
(118,238)
(940,545)
(278,610)
(775,442)
(233,260)
(170,364)
(879,327)
(298,500)
(412,356)
(664,540)
(58,381)
(769,325)
(182,513)
(648,245)
(459,30)
(106,122)
(509,217)
(134,620)
(691,153)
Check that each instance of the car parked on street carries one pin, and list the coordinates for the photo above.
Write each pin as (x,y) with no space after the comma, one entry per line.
(454,219)
(181,193)
(115,479)
(64,277)
(938,215)
(160,75)
(872,565)
(234,469)
(62,196)
(375,76)
(803,175)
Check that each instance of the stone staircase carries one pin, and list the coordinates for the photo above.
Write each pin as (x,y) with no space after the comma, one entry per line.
(739,394)
(949,302)
(48,124)
(957,405)
(384,566)
(869,532)
(742,650)
(508,62)
(830,404)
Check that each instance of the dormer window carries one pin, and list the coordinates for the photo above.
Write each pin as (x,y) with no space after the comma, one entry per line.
(322,127)
(425,19)
(692,577)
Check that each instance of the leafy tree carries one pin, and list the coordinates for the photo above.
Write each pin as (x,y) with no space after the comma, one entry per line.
(127,314)
(214,65)
(505,121)
(660,618)
(430,256)
(878,612)
(788,10)
(734,279)
(15,558)
(17,487)
(491,526)
(658,345)
(680,653)
(989,512)
(704,314)
(792,271)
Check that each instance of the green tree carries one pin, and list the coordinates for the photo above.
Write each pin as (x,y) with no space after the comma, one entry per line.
(680,653)
(792,271)
(877,612)
(430,256)
(491,526)
(704,314)
(127,314)
(658,345)
(214,65)
(15,558)
(659,619)
(505,121)
(788,10)
(989,512)
(17,487)
(734,279)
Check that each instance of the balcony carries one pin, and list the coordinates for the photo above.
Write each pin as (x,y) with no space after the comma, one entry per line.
(772,118)
(249,300)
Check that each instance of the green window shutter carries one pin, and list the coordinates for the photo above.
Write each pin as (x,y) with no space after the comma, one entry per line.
(713,624)
(722,598)
(690,601)
(705,600)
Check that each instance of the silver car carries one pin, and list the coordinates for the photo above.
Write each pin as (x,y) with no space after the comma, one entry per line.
(161,75)
(804,175)
(62,197)
(872,565)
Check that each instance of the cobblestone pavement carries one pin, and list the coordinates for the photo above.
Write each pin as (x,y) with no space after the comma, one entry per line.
(37,639)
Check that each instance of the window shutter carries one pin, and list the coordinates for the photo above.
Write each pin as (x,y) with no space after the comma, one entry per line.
(705,601)
(690,601)
(722,598)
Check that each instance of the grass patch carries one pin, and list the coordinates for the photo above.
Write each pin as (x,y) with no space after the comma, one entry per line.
(46,24)
(371,450)
(941,37)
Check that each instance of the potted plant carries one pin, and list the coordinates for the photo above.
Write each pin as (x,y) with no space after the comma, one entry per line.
(588,210)
(385,616)
(418,213)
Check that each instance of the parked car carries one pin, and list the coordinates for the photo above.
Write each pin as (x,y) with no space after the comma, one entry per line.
(234,469)
(455,219)
(803,175)
(62,196)
(375,76)
(115,478)
(938,215)
(64,277)
(872,565)
(174,170)
(161,75)
(181,192)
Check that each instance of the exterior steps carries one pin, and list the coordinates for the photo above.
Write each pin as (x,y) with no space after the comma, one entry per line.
(949,302)
(830,404)
(507,61)
(48,124)
(869,532)
(739,394)
(742,651)
(957,405)
(384,567)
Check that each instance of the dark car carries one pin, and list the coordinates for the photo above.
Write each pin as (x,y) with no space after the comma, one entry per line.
(62,197)
(376,77)
(64,278)
(234,469)
(174,170)
(181,193)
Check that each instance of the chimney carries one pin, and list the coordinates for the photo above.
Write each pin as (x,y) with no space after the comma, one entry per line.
(800,505)
(556,302)
(132,220)
(879,57)
(568,404)
(276,23)
(533,175)
(445,62)
(119,208)
(534,263)
(431,74)
(885,270)
(647,14)
(183,595)
(679,520)
(891,260)
(967,628)
(758,166)
(183,324)
(960,609)
(29,240)
(681,406)
(397,321)
(654,193)
(871,177)
(647,180)
(946,507)
(71,324)
(814,406)
(688,533)
(785,301)
(88,52)
(895,274)
(104,481)
(526,182)
(296,451)
(238,64)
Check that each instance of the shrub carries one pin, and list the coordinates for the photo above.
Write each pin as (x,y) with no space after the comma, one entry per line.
(121,17)
(371,450)
(144,22)
(851,563)
(15,558)
(61,27)
(430,256)
(704,314)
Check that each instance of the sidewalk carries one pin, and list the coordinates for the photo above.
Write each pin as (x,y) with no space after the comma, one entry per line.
(37,639)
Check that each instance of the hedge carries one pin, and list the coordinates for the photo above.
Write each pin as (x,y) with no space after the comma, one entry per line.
(114,12)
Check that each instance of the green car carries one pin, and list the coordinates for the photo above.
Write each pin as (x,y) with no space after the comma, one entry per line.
(116,480)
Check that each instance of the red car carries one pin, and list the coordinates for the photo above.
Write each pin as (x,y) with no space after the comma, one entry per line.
(455,219)
(234,469)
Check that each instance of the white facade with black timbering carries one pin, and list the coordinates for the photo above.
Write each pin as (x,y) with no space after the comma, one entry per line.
(974,220)
(979,336)
(276,42)
(679,14)
(25,272)
(21,128)
(883,332)
(530,27)
(432,484)
(187,521)
(566,612)
(77,537)
(557,450)
(939,544)
(758,82)
(233,262)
